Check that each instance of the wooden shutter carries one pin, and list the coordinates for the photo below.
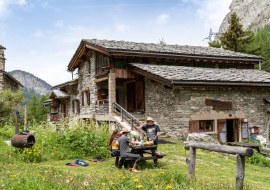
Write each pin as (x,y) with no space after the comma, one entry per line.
(73,106)
(139,89)
(194,125)
(82,98)
(78,105)
(244,130)
(88,97)
(222,130)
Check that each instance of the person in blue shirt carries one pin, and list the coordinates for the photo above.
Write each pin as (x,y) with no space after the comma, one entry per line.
(151,130)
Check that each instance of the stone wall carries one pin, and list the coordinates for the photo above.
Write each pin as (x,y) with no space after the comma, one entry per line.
(9,84)
(172,109)
(2,59)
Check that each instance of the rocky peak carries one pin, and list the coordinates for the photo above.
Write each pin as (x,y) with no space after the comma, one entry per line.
(253,14)
(30,81)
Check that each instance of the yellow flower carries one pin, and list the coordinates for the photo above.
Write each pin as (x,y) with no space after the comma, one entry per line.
(161,182)
(14,175)
(18,182)
(117,175)
(123,177)
(140,186)
(161,172)
(46,171)
(103,183)
(136,180)
(156,186)
(169,187)
(112,183)
(43,179)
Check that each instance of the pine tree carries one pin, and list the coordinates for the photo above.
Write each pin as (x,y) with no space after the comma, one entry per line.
(32,109)
(41,111)
(236,39)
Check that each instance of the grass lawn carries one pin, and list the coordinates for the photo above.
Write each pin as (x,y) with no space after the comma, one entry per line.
(213,171)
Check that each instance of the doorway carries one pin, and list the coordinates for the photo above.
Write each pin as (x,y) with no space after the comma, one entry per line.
(230,134)
(135,96)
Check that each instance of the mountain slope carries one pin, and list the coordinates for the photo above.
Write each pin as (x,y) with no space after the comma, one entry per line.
(31,82)
(254,14)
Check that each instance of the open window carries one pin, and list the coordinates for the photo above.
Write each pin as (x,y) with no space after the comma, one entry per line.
(206,126)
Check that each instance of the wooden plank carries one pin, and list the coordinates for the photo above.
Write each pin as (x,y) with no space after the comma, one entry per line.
(221,148)
(85,89)
(219,105)
(101,80)
(194,126)
(76,92)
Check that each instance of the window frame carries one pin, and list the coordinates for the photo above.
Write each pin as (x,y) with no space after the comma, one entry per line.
(204,125)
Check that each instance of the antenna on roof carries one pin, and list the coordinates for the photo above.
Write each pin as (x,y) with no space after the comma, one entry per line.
(211,33)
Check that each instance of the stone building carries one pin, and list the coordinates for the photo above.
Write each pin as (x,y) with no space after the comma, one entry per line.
(6,80)
(198,88)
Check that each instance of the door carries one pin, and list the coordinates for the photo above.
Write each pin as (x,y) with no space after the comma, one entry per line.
(222,130)
(230,128)
(64,109)
(135,96)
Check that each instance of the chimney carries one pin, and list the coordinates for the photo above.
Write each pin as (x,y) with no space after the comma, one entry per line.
(2,58)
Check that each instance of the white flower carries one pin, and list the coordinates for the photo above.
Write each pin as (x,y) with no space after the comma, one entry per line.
(67,181)
(86,183)
(3,185)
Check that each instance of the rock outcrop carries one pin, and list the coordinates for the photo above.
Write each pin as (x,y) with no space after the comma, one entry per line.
(201,137)
(30,81)
(254,14)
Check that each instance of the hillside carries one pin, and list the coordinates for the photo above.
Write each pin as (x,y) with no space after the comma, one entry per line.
(254,14)
(31,82)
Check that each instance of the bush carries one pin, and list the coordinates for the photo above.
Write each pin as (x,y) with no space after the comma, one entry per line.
(258,160)
(72,139)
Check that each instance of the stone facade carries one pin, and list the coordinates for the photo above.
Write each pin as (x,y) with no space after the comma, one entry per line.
(172,109)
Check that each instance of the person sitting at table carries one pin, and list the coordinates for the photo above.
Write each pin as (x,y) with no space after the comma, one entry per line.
(123,142)
(114,133)
(151,130)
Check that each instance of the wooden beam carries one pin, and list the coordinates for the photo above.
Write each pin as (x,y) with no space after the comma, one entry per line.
(101,80)
(151,76)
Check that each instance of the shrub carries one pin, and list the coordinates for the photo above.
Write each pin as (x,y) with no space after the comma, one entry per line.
(258,160)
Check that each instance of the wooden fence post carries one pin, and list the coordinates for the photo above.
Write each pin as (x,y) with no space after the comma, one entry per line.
(240,172)
(192,161)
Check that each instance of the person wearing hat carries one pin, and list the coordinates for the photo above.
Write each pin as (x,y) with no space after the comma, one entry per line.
(123,142)
(151,130)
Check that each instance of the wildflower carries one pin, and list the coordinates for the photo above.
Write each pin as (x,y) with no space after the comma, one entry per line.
(103,183)
(156,186)
(123,177)
(18,182)
(139,186)
(136,180)
(14,176)
(43,179)
(117,175)
(112,183)
(161,182)
(169,187)
(67,181)
(86,183)
(161,172)
(46,171)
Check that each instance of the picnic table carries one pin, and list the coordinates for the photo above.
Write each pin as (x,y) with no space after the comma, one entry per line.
(141,150)
(253,146)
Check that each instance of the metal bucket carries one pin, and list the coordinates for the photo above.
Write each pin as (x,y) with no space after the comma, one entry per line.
(23,140)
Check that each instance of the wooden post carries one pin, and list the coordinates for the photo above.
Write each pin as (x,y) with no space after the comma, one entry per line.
(131,123)
(192,161)
(121,115)
(240,172)
(25,118)
(16,123)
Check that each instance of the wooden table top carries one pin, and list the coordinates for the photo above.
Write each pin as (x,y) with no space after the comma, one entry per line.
(143,147)
(244,144)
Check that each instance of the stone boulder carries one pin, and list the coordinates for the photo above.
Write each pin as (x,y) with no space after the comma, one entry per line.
(201,137)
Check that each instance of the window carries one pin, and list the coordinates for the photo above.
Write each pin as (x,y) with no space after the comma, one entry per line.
(206,125)
(101,62)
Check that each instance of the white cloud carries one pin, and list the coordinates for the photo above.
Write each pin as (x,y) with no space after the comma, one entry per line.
(45,4)
(162,19)
(121,27)
(58,23)
(213,12)
(5,10)
(38,33)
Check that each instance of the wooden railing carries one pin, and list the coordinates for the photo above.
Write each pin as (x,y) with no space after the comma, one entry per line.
(130,119)
(240,153)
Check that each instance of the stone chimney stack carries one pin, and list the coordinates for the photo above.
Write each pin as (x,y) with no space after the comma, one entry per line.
(2,58)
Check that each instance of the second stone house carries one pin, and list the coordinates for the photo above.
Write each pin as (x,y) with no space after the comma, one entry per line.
(198,88)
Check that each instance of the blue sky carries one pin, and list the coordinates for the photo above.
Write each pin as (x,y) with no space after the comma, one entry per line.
(42,36)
